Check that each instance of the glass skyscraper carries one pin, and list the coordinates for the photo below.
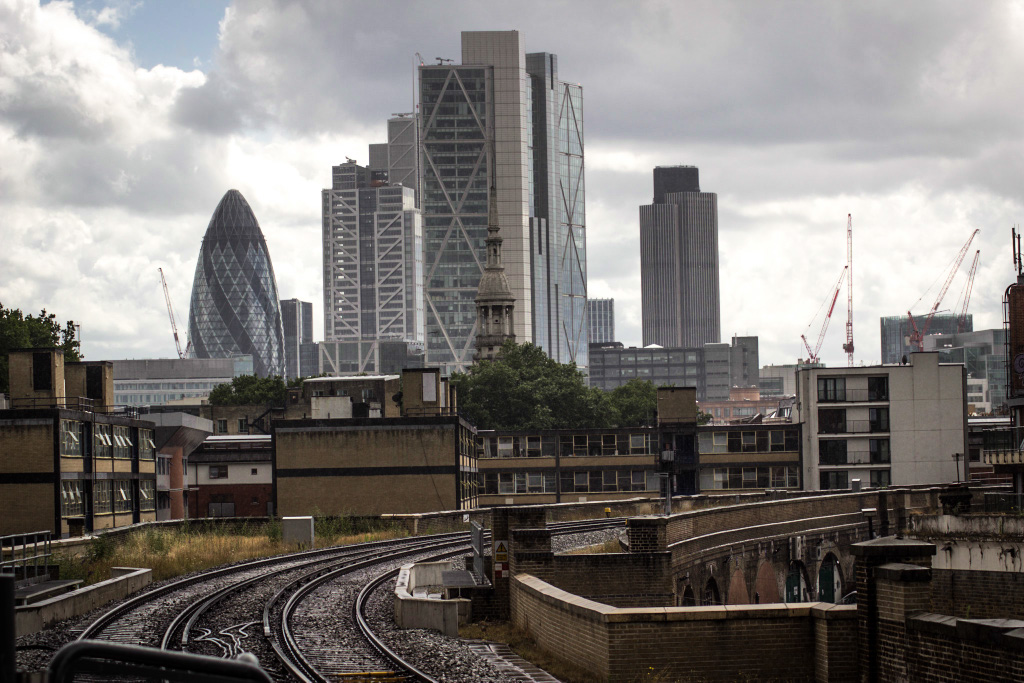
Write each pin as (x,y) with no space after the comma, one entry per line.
(601,317)
(235,307)
(500,98)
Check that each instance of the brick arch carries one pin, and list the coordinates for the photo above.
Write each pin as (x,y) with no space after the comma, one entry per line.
(766,585)
(738,594)
(689,599)
(712,595)
(838,587)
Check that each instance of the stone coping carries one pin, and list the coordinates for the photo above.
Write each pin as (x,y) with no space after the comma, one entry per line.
(600,612)
(1006,633)
(899,571)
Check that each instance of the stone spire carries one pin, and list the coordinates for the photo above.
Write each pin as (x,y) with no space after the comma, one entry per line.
(494,300)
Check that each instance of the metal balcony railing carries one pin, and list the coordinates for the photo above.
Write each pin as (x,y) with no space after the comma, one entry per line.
(853,396)
(854,427)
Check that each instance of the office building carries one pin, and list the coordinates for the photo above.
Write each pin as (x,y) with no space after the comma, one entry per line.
(679,261)
(780,380)
(601,320)
(380,357)
(897,330)
(613,365)
(887,425)
(235,308)
(983,353)
(398,159)
(743,364)
(500,95)
(297,319)
(159,381)
(372,257)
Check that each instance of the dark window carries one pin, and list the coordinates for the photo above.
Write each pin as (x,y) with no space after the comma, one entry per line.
(254,470)
(878,388)
(832,452)
(735,442)
(834,480)
(831,421)
(792,440)
(222,426)
(42,373)
(879,450)
(218,471)
(880,478)
(831,389)
(243,425)
(879,419)
(491,483)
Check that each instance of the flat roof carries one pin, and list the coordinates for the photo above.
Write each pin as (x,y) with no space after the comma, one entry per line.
(237,438)
(351,378)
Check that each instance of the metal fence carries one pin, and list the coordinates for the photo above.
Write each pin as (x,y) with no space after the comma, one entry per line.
(27,556)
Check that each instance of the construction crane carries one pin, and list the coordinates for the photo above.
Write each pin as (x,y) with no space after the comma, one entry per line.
(174,325)
(848,346)
(812,356)
(961,320)
(917,336)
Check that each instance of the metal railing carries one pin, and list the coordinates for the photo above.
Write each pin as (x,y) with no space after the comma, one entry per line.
(854,396)
(854,427)
(81,403)
(26,556)
(1004,502)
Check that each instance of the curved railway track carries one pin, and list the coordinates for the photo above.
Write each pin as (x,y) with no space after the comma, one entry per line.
(309,608)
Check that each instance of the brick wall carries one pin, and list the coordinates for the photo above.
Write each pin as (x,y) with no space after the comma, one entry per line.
(242,495)
(759,642)
(977,594)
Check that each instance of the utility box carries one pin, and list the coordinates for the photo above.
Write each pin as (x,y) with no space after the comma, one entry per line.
(298,531)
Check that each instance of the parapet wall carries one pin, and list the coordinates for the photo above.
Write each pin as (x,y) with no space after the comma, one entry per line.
(805,642)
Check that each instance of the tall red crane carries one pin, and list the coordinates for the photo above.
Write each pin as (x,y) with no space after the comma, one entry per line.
(917,336)
(174,325)
(812,356)
(848,346)
(961,320)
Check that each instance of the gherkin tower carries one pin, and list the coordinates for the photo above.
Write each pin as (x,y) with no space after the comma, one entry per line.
(235,307)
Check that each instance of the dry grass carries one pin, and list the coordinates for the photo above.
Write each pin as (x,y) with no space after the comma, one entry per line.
(190,548)
(525,647)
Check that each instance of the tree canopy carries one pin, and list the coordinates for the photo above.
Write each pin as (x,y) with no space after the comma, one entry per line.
(524,389)
(246,390)
(18,331)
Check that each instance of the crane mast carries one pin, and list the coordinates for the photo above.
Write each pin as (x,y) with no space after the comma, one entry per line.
(917,336)
(961,320)
(848,346)
(812,355)
(170,314)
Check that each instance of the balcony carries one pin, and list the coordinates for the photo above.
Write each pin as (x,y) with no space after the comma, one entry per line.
(854,458)
(853,396)
(854,427)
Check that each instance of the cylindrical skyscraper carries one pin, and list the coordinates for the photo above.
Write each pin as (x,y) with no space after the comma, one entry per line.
(235,308)
(679,261)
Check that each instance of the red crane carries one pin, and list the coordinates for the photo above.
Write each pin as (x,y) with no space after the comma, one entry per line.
(812,356)
(174,325)
(848,346)
(917,336)
(961,320)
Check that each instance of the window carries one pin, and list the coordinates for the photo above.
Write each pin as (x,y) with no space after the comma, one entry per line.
(581,481)
(749,442)
(255,471)
(880,478)
(834,480)
(878,419)
(491,483)
(878,388)
(831,421)
(639,480)
(101,497)
(243,425)
(218,471)
(831,389)
(832,452)
(879,451)
(103,445)
(636,443)
(122,496)
(506,483)
(222,426)
(778,440)
(147,494)
(533,447)
(72,499)
(147,449)
(70,438)
(792,440)
(221,505)
(122,443)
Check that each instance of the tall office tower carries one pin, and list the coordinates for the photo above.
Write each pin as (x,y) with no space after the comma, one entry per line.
(601,316)
(558,230)
(896,332)
(297,318)
(373,258)
(235,308)
(464,108)
(744,367)
(398,159)
(679,261)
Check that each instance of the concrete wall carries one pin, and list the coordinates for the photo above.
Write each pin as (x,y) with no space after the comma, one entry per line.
(123,582)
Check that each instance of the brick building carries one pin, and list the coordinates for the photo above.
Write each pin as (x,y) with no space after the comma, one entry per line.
(737,458)
(70,460)
(231,476)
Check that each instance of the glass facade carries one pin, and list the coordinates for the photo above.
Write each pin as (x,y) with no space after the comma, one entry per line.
(235,307)
(601,320)
(896,331)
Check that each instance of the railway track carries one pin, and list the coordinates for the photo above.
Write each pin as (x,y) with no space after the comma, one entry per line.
(302,615)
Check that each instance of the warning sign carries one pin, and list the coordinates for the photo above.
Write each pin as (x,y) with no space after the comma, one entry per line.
(501,551)
(501,570)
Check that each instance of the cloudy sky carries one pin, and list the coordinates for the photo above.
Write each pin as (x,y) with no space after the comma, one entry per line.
(123,123)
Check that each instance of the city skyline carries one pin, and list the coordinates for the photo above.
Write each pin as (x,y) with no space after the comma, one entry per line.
(111,161)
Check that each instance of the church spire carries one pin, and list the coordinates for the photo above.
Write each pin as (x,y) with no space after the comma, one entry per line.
(494,300)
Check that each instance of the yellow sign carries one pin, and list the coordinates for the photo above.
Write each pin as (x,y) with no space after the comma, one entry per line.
(501,551)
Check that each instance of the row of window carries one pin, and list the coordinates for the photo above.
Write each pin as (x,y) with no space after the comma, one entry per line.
(604,481)
(837,452)
(566,445)
(833,421)
(776,477)
(221,471)
(833,389)
(760,441)
(841,480)
(108,441)
(107,496)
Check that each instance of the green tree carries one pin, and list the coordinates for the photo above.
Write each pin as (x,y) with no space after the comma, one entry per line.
(246,390)
(635,402)
(524,389)
(703,418)
(18,331)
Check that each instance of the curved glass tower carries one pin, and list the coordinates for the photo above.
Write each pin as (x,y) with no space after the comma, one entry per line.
(235,308)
